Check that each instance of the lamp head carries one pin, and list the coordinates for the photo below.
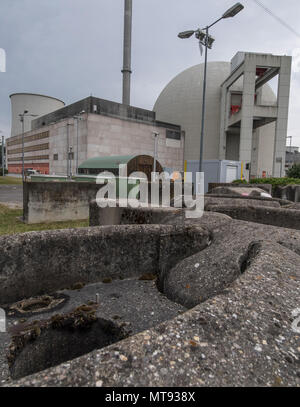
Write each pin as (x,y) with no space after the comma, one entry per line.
(186,34)
(210,41)
(232,11)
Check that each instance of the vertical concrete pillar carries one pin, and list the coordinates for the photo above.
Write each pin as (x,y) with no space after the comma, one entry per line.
(255,143)
(282,118)
(247,115)
(224,113)
(254,154)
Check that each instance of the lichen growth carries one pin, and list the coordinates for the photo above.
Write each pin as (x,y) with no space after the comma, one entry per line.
(81,317)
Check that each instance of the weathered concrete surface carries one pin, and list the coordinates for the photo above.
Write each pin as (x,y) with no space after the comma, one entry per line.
(240,191)
(263,201)
(265,187)
(57,201)
(236,201)
(131,304)
(287,218)
(235,245)
(293,206)
(290,192)
(242,335)
(126,216)
(64,201)
(37,263)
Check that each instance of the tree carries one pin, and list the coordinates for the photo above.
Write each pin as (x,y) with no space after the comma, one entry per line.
(1,165)
(294,172)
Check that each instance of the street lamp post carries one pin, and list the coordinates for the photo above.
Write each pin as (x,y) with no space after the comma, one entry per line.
(22,116)
(68,150)
(2,155)
(156,135)
(206,40)
(70,159)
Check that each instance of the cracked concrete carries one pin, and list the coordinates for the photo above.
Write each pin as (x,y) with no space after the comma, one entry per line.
(241,289)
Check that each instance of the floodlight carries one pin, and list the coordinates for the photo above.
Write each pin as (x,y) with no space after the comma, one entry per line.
(186,34)
(210,41)
(200,35)
(233,10)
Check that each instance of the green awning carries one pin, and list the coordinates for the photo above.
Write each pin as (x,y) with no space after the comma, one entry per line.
(106,162)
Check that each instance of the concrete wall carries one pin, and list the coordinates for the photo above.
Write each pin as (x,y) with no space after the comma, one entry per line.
(114,136)
(286,218)
(36,263)
(127,216)
(213,185)
(100,135)
(57,201)
(64,201)
(59,133)
(290,192)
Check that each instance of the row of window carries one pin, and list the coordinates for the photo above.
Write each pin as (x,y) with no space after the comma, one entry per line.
(29,158)
(173,134)
(55,156)
(29,149)
(27,139)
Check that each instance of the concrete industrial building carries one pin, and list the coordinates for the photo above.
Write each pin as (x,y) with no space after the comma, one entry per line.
(36,145)
(244,120)
(292,156)
(103,128)
(245,123)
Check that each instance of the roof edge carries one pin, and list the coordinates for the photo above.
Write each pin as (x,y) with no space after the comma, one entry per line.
(37,94)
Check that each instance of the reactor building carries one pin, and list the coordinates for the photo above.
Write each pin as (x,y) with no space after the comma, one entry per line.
(245,121)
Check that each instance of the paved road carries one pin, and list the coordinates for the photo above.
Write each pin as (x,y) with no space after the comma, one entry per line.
(11,194)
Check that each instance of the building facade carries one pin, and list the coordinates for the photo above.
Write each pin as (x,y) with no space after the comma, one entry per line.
(244,121)
(292,156)
(60,141)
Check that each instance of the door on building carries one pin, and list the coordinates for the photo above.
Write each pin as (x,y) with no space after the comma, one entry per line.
(231,173)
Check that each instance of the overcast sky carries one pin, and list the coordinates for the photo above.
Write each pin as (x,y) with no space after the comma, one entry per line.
(70,49)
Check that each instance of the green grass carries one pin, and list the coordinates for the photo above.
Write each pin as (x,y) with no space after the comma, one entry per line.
(11,224)
(10,181)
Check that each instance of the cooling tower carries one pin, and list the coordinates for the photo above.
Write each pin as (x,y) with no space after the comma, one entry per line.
(35,104)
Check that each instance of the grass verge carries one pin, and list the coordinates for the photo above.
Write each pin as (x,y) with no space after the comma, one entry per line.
(10,181)
(11,224)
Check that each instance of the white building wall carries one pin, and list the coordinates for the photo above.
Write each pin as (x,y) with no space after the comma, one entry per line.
(101,136)
(113,136)
(180,102)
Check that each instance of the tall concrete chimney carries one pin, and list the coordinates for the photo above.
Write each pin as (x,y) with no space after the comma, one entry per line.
(127,52)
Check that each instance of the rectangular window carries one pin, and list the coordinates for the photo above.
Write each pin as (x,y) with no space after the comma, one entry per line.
(55,157)
(173,134)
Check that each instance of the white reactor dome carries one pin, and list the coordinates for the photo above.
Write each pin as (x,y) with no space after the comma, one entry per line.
(180,103)
(37,105)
